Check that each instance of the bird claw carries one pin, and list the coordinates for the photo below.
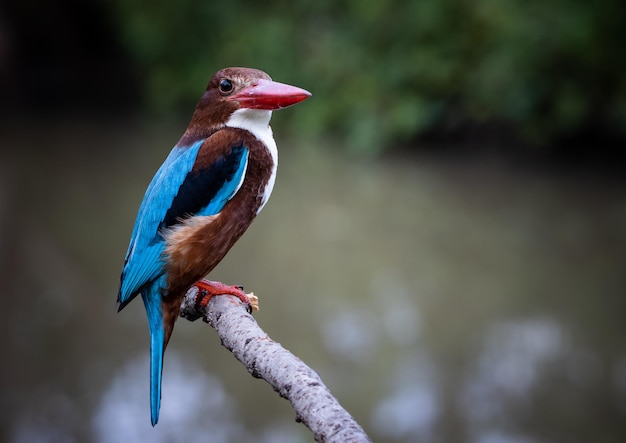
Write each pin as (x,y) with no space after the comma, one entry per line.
(208,289)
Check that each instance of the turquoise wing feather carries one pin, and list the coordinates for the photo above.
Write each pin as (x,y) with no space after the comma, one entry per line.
(175,193)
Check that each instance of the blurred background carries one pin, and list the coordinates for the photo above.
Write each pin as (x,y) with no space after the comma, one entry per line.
(446,242)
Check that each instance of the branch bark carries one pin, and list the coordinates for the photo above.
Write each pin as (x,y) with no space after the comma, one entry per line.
(264,358)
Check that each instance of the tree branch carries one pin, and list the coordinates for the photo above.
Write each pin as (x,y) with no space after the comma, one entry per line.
(264,358)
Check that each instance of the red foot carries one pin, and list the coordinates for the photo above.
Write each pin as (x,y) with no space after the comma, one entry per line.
(210,289)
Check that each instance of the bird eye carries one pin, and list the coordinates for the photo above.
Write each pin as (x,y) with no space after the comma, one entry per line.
(226,86)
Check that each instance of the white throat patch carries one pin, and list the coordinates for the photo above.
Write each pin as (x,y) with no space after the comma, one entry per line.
(257,122)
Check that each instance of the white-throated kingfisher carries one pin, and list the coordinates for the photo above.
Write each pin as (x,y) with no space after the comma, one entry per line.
(214,182)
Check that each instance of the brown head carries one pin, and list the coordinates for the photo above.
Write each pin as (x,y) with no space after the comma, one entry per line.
(231,89)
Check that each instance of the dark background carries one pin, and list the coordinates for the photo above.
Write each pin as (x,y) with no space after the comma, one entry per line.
(445,243)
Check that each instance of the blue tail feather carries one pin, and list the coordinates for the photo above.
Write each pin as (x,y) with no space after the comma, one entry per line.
(152,300)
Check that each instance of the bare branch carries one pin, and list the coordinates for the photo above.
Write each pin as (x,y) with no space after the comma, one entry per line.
(264,358)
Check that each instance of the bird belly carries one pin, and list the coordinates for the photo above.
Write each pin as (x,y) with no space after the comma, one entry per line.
(189,251)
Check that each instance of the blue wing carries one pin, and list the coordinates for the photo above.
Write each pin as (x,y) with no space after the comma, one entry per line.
(177,191)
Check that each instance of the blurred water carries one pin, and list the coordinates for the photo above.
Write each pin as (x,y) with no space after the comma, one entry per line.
(440,300)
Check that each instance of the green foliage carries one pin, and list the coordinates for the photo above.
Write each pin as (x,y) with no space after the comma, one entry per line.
(384,71)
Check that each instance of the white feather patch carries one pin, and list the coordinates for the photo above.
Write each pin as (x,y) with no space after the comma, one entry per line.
(257,122)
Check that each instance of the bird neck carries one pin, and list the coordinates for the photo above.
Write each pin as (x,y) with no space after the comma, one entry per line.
(257,122)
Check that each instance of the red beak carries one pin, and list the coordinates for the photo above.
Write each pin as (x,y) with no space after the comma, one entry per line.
(270,95)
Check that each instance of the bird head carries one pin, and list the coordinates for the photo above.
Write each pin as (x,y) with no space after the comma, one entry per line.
(232,89)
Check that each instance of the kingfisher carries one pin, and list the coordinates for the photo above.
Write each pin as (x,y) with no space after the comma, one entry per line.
(214,182)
